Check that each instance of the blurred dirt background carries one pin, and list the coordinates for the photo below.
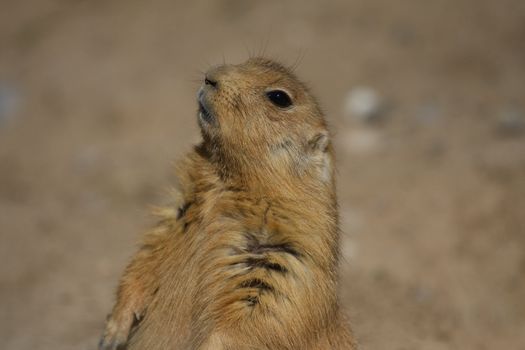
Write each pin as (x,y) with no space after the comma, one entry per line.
(97,99)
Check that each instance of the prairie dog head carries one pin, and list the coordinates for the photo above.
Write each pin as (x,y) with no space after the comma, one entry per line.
(258,117)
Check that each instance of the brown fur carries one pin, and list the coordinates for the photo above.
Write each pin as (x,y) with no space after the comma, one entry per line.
(249,260)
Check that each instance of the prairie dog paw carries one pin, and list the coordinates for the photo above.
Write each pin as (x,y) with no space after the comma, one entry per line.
(117,332)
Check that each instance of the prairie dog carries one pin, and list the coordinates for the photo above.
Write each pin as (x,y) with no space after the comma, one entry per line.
(249,258)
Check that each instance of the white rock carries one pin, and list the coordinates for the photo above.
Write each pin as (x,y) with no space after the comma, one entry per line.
(362,103)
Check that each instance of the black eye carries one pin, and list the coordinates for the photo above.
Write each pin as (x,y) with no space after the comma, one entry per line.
(279,98)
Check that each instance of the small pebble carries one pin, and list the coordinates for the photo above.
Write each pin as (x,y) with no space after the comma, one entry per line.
(87,159)
(511,122)
(421,294)
(9,101)
(428,113)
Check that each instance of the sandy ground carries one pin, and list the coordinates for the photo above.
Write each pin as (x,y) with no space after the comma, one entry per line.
(97,98)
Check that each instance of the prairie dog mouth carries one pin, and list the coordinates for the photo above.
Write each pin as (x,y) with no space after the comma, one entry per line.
(204,113)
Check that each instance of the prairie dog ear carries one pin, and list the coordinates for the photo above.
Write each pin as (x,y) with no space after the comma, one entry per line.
(320,158)
(319,142)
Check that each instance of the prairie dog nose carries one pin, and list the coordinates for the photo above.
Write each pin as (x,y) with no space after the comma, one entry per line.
(210,81)
(215,75)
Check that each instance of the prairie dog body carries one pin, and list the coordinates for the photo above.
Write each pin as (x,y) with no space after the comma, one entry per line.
(249,258)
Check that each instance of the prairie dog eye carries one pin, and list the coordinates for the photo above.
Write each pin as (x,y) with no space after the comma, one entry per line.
(279,98)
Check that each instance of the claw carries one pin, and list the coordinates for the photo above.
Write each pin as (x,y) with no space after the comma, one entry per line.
(116,335)
(108,344)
